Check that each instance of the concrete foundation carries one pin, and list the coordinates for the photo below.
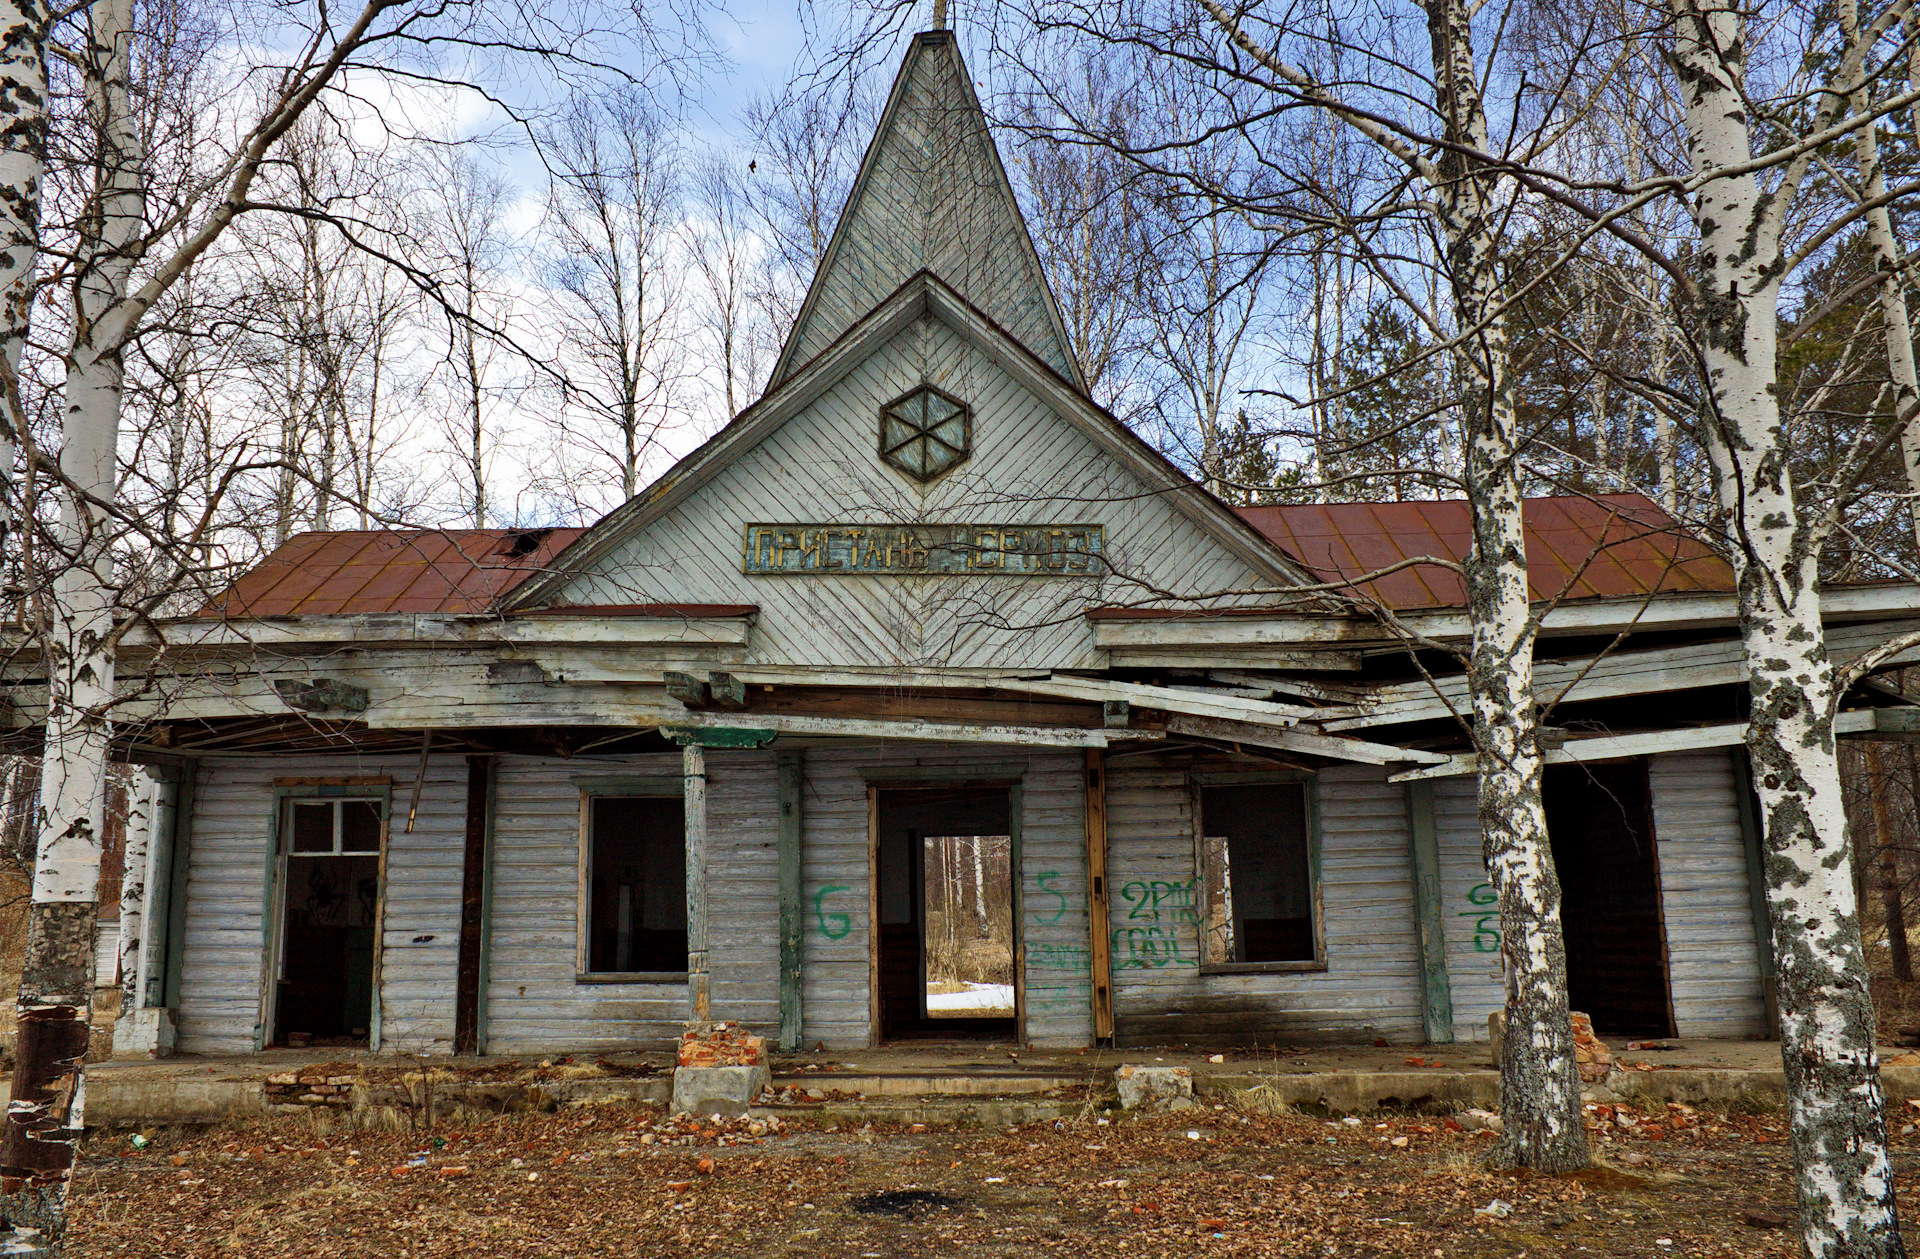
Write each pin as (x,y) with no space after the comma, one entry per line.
(726,1091)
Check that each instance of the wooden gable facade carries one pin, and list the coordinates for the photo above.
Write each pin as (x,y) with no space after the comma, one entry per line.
(536,791)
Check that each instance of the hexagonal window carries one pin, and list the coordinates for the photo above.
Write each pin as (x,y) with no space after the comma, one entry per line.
(926,433)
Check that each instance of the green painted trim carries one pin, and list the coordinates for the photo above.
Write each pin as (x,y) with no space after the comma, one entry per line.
(486,908)
(979,771)
(674,785)
(173,925)
(1423,847)
(789,768)
(1016,860)
(720,736)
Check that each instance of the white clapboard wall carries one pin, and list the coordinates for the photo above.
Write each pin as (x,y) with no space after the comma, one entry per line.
(1371,985)
(1713,969)
(1712,962)
(1029,466)
(535,1002)
(1053,883)
(228,859)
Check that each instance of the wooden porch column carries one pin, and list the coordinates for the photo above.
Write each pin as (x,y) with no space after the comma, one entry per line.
(1747,812)
(1436,986)
(1099,926)
(699,989)
(789,768)
(473,896)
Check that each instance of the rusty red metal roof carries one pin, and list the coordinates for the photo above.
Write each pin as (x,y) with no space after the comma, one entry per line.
(1608,546)
(411,570)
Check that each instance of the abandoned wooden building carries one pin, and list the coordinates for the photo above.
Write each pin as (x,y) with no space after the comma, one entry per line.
(925,635)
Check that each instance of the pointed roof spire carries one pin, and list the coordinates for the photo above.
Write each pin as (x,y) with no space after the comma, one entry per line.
(931,195)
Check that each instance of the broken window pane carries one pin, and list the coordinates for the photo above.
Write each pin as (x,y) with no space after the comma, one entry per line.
(359,826)
(1258,873)
(637,889)
(312,827)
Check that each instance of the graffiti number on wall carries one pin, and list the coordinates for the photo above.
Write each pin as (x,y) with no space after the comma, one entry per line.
(1168,909)
(1486,918)
(833,926)
(1044,881)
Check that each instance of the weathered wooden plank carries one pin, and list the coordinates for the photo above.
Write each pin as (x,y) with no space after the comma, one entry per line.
(1424,851)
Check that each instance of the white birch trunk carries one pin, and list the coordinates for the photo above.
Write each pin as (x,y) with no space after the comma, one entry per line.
(1835,1108)
(23,138)
(56,987)
(1539,1081)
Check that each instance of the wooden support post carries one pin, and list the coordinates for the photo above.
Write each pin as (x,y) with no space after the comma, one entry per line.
(1888,867)
(1099,926)
(789,768)
(699,991)
(1436,985)
(473,888)
(182,857)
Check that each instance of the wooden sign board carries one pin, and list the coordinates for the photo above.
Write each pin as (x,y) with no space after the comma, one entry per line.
(868,550)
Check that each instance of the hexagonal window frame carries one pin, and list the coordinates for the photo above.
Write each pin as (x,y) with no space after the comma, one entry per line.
(908,437)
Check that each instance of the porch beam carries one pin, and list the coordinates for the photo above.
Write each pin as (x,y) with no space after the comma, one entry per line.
(1173,699)
(943,731)
(1289,739)
(1436,985)
(1606,747)
(789,767)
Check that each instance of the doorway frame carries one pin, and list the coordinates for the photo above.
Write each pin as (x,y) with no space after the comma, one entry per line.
(273,898)
(1009,778)
(1645,766)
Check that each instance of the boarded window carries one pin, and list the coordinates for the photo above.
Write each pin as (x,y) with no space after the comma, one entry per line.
(1259,873)
(636,885)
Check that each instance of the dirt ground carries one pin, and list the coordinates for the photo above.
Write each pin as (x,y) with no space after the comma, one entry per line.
(1213,1181)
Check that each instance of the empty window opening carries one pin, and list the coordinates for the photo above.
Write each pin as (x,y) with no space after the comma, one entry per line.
(1257,863)
(946,942)
(1600,824)
(637,886)
(329,911)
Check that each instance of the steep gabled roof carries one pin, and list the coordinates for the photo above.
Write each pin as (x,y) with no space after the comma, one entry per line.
(923,295)
(931,195)
(401,570)
(1608,546)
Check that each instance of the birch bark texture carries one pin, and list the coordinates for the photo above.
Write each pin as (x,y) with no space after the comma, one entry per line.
(1539,1080)
(23,156)
(45,1112)
(1836,1112)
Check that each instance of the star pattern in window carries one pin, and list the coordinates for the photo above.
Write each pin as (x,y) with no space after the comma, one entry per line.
(926,433)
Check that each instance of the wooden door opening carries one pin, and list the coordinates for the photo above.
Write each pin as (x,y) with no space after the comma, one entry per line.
(1600,823)
(946,944)
(329,915)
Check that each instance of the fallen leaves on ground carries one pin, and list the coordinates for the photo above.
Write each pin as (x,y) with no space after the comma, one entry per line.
(625,1181)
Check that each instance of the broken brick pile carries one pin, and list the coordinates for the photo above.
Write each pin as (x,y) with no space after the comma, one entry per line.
(321,1085)
(721,1045)
(1590,1053)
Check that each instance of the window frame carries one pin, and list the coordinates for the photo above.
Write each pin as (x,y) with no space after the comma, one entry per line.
(1310,797)
(621,787)
(272,893)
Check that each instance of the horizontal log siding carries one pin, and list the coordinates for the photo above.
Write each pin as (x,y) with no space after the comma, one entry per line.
(1371,987)
(1053,884)
(1053,900)
(1473,937)
(534,1002)
(228,857)
(1711,958)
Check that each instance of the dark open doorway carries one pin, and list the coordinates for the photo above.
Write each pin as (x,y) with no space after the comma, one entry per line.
(946,944)
(1600,822)
(329,911)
